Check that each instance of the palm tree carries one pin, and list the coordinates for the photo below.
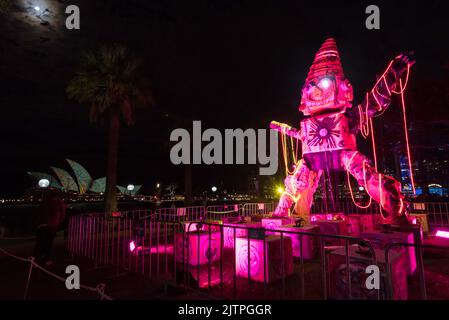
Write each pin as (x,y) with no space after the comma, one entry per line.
(108,80)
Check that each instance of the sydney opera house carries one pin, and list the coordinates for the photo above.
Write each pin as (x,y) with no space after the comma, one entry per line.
(80,183)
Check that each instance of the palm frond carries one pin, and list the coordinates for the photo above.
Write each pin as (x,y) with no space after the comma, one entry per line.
(109,80)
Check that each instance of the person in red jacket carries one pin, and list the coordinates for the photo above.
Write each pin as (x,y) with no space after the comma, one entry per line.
(50,216)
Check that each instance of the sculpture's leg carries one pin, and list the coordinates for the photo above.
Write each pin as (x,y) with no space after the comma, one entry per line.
(382,188)
(304,203)
(297,185)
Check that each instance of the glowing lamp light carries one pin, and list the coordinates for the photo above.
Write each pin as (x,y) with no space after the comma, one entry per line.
(132,246)
(313,218)
(325,83)
(414,220)
(443,234)
(214,189)
(280,190)
(158,185)
(361,188)
(37,8)
(130,187)
(43,183)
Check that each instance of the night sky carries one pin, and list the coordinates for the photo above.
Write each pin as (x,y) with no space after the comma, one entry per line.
(230,64)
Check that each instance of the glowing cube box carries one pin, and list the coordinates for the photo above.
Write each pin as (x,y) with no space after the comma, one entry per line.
(358,262)
(193,226)
(320,216)
(332,227)
(198,247)
(360,223)
(421,219)
(379,240)
(240,230)
(309,243)
(274,223)
(278,262)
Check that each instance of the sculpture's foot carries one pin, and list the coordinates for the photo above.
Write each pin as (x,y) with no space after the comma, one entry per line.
(280,213)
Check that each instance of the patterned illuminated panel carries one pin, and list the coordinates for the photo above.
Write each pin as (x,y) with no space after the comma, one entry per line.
(122,189)
(66,179)
(98,185)
(83,177)
(40,175)
(136,189)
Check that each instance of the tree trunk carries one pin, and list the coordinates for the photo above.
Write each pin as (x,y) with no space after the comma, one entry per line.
(111,175)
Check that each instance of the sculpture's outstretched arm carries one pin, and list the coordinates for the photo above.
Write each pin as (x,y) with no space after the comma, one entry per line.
(379,98)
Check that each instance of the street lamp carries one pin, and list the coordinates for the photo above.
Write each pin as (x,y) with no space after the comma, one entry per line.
(130,187)
(214,189)
(43,183)
(158,185)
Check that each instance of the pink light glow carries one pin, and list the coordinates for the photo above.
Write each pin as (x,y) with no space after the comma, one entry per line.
(325,83)
(132,246)
(443,234)
(414,220)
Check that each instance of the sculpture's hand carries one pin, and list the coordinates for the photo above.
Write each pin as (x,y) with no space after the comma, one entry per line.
(402,61)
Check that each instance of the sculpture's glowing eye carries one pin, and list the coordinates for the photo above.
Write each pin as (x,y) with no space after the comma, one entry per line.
(325,83)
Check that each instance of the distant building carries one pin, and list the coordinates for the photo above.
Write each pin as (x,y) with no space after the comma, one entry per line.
(82,183)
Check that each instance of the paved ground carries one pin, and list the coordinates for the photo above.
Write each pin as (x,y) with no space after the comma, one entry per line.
(13,278)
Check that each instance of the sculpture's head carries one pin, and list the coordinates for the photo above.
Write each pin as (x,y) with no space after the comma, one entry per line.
(326,87)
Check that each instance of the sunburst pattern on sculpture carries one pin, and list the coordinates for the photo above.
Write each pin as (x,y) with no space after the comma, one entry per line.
(322,131)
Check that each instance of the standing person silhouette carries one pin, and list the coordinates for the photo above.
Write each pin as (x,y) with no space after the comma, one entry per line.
(51,214)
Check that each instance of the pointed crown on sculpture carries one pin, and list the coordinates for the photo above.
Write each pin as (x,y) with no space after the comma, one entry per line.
(326,85)
(327,61)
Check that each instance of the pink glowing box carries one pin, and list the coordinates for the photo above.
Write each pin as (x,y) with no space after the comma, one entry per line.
(309,243)
(274,223)
(278,261)
(358,263)
(198,247)
(360,223)
(379,240)
(240,230)
(333,227)
(193,226)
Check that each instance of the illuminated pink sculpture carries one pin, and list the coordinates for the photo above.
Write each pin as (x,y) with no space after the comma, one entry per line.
(328,134)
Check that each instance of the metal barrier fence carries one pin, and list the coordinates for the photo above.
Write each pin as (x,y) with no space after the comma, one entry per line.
(165,245)
(437,213)
(165,250)
(347,207)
